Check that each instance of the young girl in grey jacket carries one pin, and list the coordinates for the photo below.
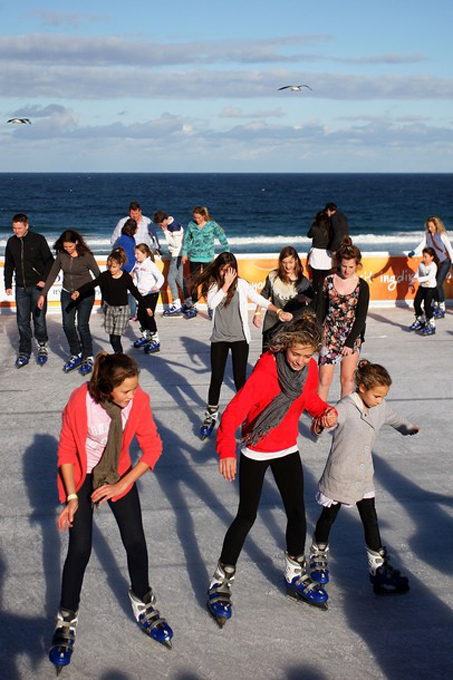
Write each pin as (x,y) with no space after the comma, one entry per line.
(348,475)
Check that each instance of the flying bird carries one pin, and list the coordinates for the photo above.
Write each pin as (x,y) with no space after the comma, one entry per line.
(294,88)
(19,121)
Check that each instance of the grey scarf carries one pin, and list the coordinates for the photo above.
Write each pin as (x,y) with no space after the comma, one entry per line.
(106,471)
(291,385)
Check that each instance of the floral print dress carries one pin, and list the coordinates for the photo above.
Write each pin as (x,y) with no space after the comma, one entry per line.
(340,317)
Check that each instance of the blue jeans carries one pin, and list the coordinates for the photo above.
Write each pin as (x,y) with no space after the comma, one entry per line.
(175,278)
(442,271)
(26,306)
(79,338)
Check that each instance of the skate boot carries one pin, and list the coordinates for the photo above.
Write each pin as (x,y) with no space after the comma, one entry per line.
(149,619)
(439,310)
(153,345)
(87,366)
(385,579)
(430,328)
(22,360)
(418,324)
(219,594)
(173,312)
(143,341)
(210,417)
(43,354)
(63,639)
(300,586)
(190,312)
(74,362)
(318,564)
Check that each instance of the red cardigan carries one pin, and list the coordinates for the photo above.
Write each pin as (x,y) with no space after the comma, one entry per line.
(72,447)
(259,390)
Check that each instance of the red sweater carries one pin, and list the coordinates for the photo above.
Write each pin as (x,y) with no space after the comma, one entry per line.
(74,433)
(259,390)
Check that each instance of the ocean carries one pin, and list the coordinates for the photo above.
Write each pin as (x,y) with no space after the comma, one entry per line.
(260,213)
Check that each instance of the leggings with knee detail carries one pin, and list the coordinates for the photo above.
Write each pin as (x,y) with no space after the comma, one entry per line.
(289,477)
(367,512)
(128,515)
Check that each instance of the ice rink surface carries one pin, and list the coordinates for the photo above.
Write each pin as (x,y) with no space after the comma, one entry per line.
(187,507)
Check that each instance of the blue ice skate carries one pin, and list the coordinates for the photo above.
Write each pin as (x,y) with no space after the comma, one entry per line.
(74,362)
(173,312)
(63,639)
(191,313)
(418,325)
(86,366)
(385,579)
(429,329)
(152,347)
(22,360)
(208,424)
(318,564)
(43,354)
(141,342)
(149,619)
(219,594)
(300,586)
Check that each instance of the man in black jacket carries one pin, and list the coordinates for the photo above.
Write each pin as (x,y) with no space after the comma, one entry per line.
(28,256)
(339,225)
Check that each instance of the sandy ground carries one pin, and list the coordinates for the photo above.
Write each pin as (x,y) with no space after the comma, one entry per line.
(187,507)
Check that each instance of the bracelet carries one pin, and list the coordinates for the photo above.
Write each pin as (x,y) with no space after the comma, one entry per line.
(72,497)
(279,311)
(258,312)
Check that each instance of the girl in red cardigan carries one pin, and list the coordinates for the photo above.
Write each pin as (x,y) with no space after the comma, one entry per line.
(94,466)
(283,384)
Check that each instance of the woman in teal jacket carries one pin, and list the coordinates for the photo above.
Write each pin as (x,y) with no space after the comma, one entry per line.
(198,249)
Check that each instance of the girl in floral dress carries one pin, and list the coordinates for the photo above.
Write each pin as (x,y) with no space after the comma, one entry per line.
(342,309)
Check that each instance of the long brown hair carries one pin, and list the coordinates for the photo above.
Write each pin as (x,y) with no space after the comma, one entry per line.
(289,251)
(71,236)
(110,371)
(211,275)
(306,330)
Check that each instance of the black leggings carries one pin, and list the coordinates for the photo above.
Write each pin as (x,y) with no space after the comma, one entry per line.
(128,516)
(289,477)
(219,354)
(148,323)
(115,341)
(425,296)
(367,512)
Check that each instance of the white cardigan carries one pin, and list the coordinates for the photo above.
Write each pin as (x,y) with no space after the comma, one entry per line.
(246,292)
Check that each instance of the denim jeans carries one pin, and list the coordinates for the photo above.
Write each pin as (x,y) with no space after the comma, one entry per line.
(26,306)
(175,278)
(442,271)
(79,338)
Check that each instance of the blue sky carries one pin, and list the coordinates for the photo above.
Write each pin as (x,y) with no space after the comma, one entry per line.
(177,86)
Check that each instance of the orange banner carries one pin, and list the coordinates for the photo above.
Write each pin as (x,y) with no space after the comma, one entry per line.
(388,277)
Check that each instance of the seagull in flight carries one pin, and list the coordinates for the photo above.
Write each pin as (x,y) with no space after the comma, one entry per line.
(19,121)
(294,88)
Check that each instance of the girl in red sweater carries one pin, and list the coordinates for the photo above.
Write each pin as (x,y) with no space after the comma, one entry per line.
(283,384)
(94,466)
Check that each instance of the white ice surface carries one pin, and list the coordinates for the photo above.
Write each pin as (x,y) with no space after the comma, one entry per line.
(187,508)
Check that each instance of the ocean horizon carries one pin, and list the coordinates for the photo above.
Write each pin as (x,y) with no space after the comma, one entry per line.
(260,212)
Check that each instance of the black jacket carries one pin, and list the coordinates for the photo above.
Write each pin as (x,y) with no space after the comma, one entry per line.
(340,228)
(29,257)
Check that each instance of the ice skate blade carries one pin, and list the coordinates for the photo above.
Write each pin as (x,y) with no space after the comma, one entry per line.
(220,620)
(293,595)
(386,591)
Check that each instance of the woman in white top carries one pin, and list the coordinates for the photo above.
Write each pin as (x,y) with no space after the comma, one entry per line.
(227,296)
(436,237)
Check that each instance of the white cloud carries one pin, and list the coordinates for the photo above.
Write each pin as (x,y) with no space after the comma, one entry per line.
(237,112)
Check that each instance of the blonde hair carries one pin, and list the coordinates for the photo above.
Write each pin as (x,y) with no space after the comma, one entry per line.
(440,229)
